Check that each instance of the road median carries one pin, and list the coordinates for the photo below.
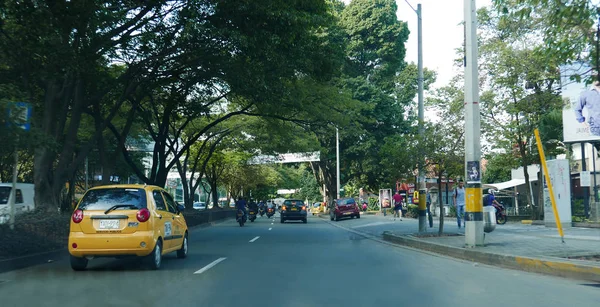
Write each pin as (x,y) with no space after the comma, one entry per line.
(584,270)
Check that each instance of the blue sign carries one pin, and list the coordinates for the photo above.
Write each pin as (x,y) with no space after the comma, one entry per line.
(20,114)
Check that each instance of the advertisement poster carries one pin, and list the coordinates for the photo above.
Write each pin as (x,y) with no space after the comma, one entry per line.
(473,172)
(575,108)
(385,198)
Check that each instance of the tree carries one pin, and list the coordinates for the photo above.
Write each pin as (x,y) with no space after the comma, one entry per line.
(523,87)
(562,30)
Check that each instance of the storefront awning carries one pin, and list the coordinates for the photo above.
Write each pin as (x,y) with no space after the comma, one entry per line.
(507,184)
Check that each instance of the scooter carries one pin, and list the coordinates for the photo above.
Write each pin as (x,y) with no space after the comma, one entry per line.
(500,214)
(270,212)
(252,215)
(241,218)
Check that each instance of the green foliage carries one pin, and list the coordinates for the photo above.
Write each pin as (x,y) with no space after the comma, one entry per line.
(499,166)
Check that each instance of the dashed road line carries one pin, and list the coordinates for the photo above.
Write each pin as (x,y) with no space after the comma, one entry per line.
(270,228)
(210,265)
(256,238)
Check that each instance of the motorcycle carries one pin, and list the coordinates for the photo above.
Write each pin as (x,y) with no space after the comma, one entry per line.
(261,211)
(270,212)
(241,218)
(500,214)
(252,215)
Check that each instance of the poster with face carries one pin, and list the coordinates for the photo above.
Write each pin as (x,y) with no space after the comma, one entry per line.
(385,196)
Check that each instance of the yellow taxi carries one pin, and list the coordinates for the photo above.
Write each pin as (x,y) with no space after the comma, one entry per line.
(127,220)
(316,208)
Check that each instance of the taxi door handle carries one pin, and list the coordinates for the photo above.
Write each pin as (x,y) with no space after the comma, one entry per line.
(159,216)
(173,217)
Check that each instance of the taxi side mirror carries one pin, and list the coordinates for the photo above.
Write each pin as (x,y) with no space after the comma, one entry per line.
(180,208)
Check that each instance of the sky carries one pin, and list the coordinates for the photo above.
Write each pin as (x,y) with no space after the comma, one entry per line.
(442,33)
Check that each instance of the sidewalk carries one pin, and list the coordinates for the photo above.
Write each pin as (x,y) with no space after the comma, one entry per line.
(531,248)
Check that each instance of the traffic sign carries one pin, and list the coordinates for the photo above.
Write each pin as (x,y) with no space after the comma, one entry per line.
(19,113)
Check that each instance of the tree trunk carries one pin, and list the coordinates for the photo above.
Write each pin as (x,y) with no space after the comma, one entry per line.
(525,164)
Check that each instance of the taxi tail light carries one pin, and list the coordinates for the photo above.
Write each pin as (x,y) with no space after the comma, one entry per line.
(143,215)
(303,207)
(284,208)
(77,216)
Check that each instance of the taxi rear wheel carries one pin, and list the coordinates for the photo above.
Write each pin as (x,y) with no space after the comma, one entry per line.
(154,259)
(182,253)
(78,264)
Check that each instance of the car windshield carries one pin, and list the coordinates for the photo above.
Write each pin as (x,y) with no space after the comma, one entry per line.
(4,194)
(103,199)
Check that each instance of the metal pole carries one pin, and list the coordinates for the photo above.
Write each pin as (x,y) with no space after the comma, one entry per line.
(586,190)
(86,173)
(337,157)
(474,208)
(13,191)
(422,185)
(594,166)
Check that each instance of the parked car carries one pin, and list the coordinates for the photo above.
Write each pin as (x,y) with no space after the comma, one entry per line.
(127,220)
(199,206)
(24,194)
(293,209)
(344,207)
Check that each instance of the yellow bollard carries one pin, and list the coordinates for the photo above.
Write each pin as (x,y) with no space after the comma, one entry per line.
(547,176)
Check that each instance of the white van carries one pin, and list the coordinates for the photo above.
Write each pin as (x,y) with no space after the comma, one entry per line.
(23,200)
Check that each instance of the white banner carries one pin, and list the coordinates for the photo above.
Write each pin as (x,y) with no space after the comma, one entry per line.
(573,130)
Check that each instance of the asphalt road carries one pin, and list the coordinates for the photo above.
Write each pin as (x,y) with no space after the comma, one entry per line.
(291,264)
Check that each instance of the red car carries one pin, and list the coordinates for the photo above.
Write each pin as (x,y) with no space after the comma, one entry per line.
(344,207)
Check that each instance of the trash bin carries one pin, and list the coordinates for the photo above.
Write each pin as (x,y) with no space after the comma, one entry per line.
(489,219)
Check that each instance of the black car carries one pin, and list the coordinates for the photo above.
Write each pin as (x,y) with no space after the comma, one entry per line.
(293,209)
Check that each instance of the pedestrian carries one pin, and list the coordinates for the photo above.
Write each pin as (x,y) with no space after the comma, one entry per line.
(428,203)
(397,205)
(459,203)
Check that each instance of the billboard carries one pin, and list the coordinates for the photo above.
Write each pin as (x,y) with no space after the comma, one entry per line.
(572,91)
(561,186)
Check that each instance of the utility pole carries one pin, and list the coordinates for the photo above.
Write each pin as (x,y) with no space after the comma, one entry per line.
(337,157)
(474,208)
(422,185)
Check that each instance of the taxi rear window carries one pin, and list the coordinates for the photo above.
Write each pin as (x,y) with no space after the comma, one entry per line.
(102,199)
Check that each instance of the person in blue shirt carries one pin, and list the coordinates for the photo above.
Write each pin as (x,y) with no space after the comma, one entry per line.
(491,198)
(590,100)
(241,205)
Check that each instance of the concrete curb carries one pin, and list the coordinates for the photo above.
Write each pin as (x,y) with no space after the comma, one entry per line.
(534,265)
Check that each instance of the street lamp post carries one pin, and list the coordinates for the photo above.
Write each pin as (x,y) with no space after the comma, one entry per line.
(337,158)
(421,164)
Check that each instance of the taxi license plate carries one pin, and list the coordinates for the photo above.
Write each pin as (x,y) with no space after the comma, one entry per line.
(109,224)
(294,209)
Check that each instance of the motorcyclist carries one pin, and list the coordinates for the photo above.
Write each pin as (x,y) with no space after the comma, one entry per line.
(491,198)
(252,205)
(241,205)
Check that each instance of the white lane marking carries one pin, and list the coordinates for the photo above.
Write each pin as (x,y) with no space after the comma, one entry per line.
(271,223)
(256,238)
(373,224)
(270,228)
(210,265)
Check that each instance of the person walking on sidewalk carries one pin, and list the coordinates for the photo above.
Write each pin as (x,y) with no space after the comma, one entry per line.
(428,203)
(459,203)
(397,205)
